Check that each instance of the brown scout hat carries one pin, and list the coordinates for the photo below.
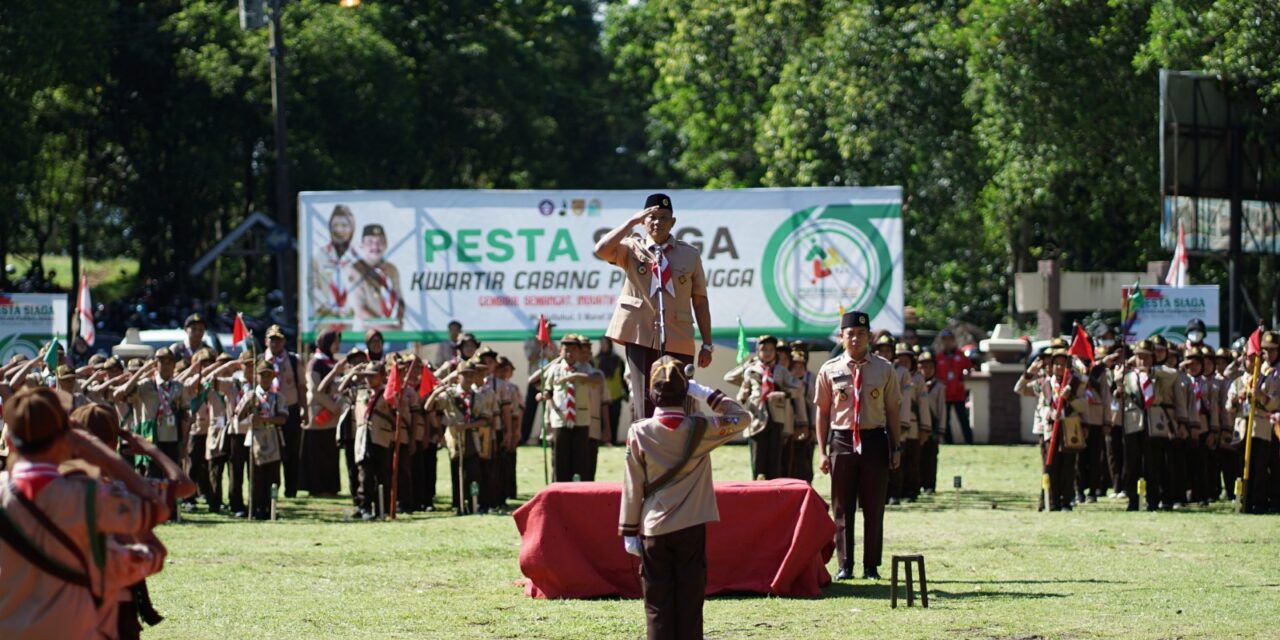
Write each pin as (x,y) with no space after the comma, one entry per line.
(165,354)
(926,356)
(274,331)
(96,360)
(245,357)
(264,367)
(904,349)
(1143,347)
(667,374)
(35,417)
(66,373)
(1269,339)
(222,358)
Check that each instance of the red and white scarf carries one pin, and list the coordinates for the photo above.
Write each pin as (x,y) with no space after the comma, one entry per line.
(166,397)
(671,419)
(855,368)
(338,282)
(661,269)
(767,385)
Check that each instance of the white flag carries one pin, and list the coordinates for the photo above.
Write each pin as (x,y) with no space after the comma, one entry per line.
(1180,266)
(84,310)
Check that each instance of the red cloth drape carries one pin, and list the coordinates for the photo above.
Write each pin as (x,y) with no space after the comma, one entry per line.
(773,537)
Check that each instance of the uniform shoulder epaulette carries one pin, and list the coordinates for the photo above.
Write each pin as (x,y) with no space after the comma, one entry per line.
(830,360)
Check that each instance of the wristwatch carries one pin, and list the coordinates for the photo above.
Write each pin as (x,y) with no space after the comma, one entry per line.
(706,346)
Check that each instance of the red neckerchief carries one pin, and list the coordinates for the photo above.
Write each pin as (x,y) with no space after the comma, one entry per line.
(1148,390)
(767,385)
(32,477)
(671,419)
(387,300)
(855,368)
(661,268)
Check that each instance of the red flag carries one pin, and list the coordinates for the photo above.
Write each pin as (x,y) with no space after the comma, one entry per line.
(428,383)
(544,332)
(394,385)
(238,332)
(1081,346)
(1255,342)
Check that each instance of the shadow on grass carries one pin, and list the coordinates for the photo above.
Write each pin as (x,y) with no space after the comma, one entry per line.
(982,500)
(880,591)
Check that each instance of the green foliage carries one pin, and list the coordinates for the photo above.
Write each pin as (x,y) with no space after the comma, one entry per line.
(1018,130)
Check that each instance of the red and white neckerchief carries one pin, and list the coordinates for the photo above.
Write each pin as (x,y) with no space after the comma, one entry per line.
(338,282)
(671,419)
(1148,390)
(166,397)
(570,402)
(323,358)
(32,477)
(855,368)
(468,396)
(767,385)
(661,269)
(388,303)
(277,363)
(265,406)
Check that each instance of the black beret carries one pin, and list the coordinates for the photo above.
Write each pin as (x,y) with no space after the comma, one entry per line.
(854,320)
(660,200)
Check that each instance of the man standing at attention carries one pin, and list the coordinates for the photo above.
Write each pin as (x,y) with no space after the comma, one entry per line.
(665,290)
(859,439)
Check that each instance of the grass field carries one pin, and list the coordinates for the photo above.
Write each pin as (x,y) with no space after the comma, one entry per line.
(997,569)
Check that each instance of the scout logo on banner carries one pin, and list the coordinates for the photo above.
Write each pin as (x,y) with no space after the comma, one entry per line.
(785,261)
(825,259)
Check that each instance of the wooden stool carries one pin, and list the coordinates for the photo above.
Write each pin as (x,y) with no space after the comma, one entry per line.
(907,561)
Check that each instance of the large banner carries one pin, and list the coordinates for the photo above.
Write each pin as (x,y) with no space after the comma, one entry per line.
(1165,311)
(29,320)
(785,261)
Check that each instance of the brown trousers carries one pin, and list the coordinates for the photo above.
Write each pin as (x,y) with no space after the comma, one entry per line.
(673,571)
(859,478)
(640,360)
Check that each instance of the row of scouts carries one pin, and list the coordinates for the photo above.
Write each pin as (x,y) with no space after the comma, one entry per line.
(1159,424)
(778,391)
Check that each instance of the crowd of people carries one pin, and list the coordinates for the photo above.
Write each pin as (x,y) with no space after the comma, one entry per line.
(1159,424)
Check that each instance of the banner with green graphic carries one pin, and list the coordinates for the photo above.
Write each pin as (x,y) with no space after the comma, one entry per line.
(29,320)
(1166,310)
(785,261)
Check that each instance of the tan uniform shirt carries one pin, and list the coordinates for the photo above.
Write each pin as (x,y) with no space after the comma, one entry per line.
(1160,419)
(689,499)
(148,397)
(1047,389)
(553,379)
(34,604)
(286,375)
(763,410)
(484,410)
(635,320)
(1237,402)
(835,391)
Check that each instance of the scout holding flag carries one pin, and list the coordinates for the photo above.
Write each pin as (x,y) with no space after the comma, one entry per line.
(469,412)
(267,412)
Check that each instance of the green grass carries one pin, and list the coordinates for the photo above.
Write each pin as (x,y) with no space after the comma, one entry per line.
(108,279)
(997,569)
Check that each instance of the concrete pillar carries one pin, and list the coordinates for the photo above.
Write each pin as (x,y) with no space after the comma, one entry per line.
(1049,316)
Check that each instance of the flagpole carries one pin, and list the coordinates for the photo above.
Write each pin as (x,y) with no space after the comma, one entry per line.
(1248,435)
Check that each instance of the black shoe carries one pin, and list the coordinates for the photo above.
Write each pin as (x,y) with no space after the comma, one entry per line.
(844,574)
(870,574)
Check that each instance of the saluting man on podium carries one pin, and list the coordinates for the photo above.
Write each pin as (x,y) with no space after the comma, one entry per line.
(664,292)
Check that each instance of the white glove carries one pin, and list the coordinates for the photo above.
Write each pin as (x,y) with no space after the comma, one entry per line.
(697,390)
(632,545)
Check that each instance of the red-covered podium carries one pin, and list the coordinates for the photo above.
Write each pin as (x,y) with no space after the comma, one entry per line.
(773,537)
